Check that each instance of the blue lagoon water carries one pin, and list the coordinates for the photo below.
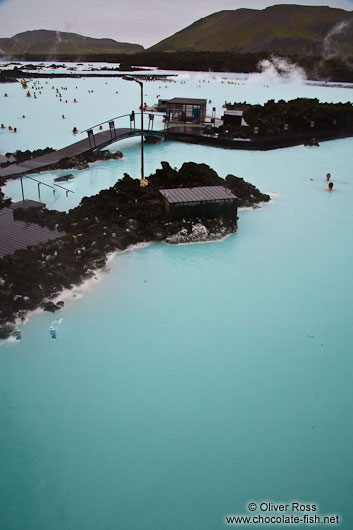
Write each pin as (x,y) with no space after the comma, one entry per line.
(190,380)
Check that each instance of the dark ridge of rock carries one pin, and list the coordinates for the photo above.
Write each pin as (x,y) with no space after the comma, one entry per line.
(77,162)
(6,330)
(4,203)
(6,77)
(21,156)
(297,116)
(64,178)
(51,307)
(115,218)
(247,193)
(74,162)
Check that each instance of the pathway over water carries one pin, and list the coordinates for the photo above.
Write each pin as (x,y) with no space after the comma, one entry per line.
(101,140)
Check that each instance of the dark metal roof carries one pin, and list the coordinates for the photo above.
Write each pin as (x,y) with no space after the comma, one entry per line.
(27,203)
(188,101)
(18,234)
(201,193)
(233,112)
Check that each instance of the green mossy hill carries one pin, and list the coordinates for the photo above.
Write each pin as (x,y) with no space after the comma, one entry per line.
(50,43)
(280,29)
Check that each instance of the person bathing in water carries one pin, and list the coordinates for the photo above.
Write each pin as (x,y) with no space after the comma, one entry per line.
(330,187)
(328,179)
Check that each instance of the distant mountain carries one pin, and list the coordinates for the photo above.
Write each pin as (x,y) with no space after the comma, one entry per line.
(47,42)
(281,29)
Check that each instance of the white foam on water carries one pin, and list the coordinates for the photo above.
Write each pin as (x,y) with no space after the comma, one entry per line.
(9,340)
(78,291)
(219,240)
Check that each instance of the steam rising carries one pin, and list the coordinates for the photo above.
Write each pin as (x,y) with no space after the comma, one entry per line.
(56,44)
(278,70)
(330,42)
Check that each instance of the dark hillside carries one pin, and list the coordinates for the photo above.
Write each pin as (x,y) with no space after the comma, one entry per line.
(281,29)
(46,42)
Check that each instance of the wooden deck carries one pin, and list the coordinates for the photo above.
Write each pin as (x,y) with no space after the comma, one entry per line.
(101,139)
(18,234)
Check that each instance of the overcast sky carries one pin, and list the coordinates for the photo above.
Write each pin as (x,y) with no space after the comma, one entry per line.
(143,22)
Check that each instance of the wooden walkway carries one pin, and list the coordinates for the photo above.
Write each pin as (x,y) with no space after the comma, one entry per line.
(18,234)
(101,140)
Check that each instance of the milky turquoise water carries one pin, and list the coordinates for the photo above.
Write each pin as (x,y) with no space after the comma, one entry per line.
(191,380)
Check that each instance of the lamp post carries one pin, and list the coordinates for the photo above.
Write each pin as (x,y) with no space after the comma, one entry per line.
(130,78)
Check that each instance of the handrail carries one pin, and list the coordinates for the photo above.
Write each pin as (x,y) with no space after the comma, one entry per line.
(39,181)
(117,118)
(49,185)
(106,121)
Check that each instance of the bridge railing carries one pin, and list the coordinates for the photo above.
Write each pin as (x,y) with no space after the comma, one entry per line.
(41,183)
(112,129)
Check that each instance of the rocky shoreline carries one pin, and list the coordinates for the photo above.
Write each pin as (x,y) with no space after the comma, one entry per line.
(274,125)
(16,74)
(307,117)
(112,220)
(75,162)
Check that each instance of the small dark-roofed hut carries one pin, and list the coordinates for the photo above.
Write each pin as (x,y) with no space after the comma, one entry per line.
(233,117)
(186,110)
(208,202)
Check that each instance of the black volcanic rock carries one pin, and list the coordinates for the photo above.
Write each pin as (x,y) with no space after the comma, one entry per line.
(247,193)
(300,119)
(7,77)
(4,203)
(112,220)
(76,162)
(21,156)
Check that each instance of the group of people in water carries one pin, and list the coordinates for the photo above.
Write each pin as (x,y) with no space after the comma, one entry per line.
(10,128)
(36,86)
(330,184)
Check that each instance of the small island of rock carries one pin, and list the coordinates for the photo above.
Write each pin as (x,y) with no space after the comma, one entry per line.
(112,220)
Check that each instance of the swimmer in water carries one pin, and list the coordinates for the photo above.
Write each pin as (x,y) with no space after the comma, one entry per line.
(330,187)
(74,130)
(328,176)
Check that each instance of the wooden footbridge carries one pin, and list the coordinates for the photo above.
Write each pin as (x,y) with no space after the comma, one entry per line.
(95,141)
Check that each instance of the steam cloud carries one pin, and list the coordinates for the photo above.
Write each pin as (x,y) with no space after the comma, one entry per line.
(56,43)
(278,70)
(329,45)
